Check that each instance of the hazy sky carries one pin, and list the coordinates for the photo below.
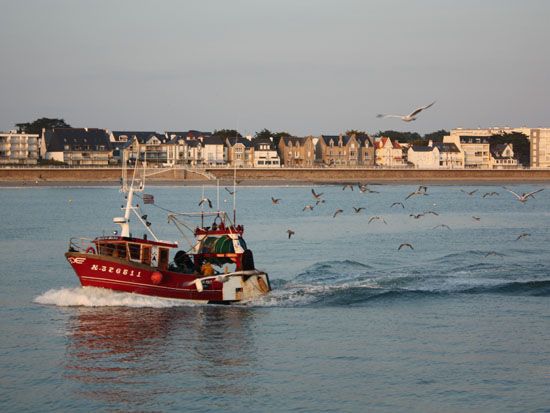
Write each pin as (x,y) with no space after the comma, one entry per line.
(305,67)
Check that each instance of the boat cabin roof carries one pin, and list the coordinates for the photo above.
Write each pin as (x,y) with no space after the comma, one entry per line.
(119,239)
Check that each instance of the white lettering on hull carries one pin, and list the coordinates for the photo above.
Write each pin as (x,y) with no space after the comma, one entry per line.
(116,270)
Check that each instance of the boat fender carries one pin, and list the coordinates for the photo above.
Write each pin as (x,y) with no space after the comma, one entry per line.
(156,277)
(247,260)
(90,250)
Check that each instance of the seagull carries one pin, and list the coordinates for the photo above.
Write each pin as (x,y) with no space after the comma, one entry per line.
(357,210)
(416,216)
(442,226)
(431,212)
(523,235)
(308,207)
(338,211)
(406,244)
(490,253)
(524,197)
(486,194)
(319,201)
(365,188)
(397,203)
(469,193)
(476,218)
(230,191)
(347,186)
(316,195)
(407,118)
(275,200)
(377,217)
(207,201)
(290,233)
(422,190)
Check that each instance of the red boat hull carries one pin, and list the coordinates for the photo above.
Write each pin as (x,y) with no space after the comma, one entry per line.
(122,275)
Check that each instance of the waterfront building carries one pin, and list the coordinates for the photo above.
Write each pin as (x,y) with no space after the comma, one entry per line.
(240,152)
(78,146)
(366,150)
(265,153)
(153,146)
(502,156)
(424,157)
(388,153)
(186,147)
(540,147)
(337,150)
(19,148)
(297,152)
(450,155)
(475,148)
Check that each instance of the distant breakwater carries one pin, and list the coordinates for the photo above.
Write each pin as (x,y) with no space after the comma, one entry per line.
(315,175)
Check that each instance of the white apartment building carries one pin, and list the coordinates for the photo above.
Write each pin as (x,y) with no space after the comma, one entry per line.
(19,148)
(540,147)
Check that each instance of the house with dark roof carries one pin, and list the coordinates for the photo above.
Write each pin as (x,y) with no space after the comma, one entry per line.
(502,156)
(337,150)
(214,150)
(475,149)
(450,155)
(265,153)
(297,152)
(240,152)
(424,157)
(366,149)
(78,146)
(153,146)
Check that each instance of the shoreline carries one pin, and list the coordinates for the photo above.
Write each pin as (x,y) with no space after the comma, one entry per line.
(90,177)
(270,183)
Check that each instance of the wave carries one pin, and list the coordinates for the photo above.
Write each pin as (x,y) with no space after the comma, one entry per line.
(101,297)
(537,288)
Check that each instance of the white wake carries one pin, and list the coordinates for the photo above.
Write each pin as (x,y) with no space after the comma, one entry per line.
(101,297)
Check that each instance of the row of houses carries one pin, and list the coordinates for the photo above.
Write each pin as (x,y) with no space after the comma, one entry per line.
(100,147)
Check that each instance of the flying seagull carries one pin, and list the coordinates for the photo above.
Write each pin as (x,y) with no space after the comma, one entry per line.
(207,201)
(357,210)
(476,218)
(406,244)
(523,235)
(469,193)
(422,190)
(486,194)
(442,226)
(308,208)
(275,200)
(524,197)
(377,217)
(229,190)
(396,204)
(290,233)
(338,211)
(347,186)
(407,118)
(316,195)
(431,212)
(416,216)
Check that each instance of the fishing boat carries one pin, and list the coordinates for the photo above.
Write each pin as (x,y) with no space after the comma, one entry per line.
(217,267)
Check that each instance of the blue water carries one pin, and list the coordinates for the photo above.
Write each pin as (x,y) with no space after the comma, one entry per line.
(460,323)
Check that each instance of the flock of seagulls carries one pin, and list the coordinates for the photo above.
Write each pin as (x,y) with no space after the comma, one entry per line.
(422,191)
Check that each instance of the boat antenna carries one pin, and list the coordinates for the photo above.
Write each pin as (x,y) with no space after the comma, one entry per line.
(202,208)
(218,194)
(235,178)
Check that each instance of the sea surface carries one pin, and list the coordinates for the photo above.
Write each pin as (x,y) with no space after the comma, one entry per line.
(460,323)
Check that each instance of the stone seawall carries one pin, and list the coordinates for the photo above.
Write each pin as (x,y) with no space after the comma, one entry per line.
(319,175)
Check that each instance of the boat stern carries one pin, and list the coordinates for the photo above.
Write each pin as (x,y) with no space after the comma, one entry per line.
(245,286)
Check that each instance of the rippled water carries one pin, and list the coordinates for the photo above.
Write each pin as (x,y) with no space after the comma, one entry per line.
(459,323)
